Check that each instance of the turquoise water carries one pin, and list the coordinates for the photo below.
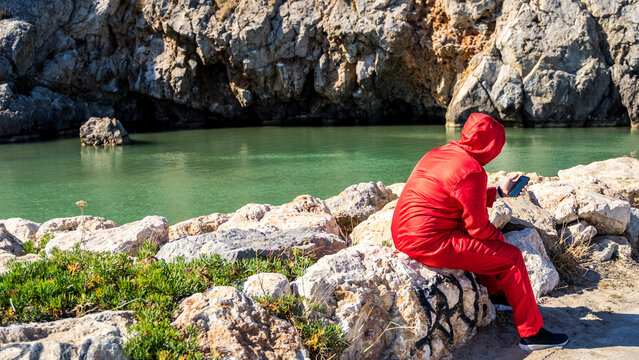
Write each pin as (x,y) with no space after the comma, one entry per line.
(185,174)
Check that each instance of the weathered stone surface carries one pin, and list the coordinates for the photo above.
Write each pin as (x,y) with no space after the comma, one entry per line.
(497,178)
(9,243)
(357,202)
(376,229)
(391,306)
(556,197)
(543,276)
(197,226)
(231,326)
(6,258)
(103,132)
(397,188)
(500,213)
(620,176)
(304,211)
(23,230)
(126,238)
(608,215)
(578,232)
(266,284)
(240,244)
(525,214)
(88,223)
(94,336)
(606,247)
(633,225)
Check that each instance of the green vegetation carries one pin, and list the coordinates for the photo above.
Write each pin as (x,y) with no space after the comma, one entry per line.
(33,247)
(75,283)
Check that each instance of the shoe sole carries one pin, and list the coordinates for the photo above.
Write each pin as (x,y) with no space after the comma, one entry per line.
(500,307)
(534,347)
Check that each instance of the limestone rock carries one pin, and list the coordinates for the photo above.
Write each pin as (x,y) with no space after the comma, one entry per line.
(633,225)
(499,214)
(9,243)
(525,214)
(231,326)
(240,244)
(558,198)
(543,275)
(197,226)
(497,178)
(103,132)
(304,211)
(266,284)
(376,229)
(608,215)
(93,336)
(126,238)
(7,258)
(357,202)
(397,188)
(23,230)
(578,232)
(88,223)
(391,306)
(606,247)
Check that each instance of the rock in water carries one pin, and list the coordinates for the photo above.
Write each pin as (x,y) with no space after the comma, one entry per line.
(95,336)
(233,327)
(103,132)
(543,275)
(393,307)
(23,230)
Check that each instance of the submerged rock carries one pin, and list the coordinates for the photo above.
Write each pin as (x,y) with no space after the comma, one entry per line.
(391,306)
(95,336)
(103,132)
(357,202)
(23,230)
(197,226)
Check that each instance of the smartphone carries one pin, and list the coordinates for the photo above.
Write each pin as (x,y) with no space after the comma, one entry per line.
(519,184)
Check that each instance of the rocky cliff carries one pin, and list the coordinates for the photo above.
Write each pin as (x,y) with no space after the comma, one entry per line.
(176,63)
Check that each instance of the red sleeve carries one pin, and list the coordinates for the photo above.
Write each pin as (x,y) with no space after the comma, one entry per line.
(471,194)
(491,195)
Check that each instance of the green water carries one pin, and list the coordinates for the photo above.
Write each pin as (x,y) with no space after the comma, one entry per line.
(185,174)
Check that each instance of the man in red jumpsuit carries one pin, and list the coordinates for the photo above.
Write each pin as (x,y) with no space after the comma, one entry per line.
(441,220)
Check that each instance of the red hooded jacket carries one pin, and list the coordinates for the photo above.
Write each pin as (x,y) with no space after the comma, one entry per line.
(447,189)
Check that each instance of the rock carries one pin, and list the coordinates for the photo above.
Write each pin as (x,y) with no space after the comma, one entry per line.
(126,238)
(620,177)
(94,336)
(304,211)
(23,230)
(606,247)
(543,276)
(376,229)
(397,188)
(495,179)
(231,326)
(525,214)
(608,215)
(266,284)
(357,202)
(197,226)
(241,244)
(558,198)
(578,232)
(633,225)
(103,132)
(9,243)
(88,223)
(391,306)
(499,214)
(7,258)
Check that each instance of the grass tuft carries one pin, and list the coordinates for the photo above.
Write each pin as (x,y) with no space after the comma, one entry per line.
(568,258)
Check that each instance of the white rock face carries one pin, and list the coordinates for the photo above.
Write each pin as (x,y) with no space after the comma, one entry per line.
(605,247)
(608,215)
(232,326)
(58,225)
(391,306)
(578,232)
(499,214)
(376,229)
(397,188)
(266,284)
(103,132)
(543,275)
(23,230)
(95,336)
(197,226)
(357,202)
(558,198)
(126,238)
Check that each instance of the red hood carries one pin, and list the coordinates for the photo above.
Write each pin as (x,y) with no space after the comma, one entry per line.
(483,137)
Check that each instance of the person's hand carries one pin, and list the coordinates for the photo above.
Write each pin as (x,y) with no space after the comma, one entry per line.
(508,183)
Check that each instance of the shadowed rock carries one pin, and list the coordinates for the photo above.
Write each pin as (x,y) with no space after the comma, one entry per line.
(103,132)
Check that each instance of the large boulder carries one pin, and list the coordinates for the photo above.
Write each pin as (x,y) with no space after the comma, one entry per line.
(543,275)
(266,284)
(241,244)
(197,226)
(608,215)
(357,202)
(376,229)
(23,230)
(500,213)
(304,211)
(103,132)
(391,306)
(95,336)
(126,238)
(558,198)
(526,214)
(86,223)
(231,326)
(9,243)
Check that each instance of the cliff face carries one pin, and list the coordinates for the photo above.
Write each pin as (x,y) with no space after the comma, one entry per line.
(178,63)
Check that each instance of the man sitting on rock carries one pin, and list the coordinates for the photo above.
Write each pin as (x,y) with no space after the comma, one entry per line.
(441,220)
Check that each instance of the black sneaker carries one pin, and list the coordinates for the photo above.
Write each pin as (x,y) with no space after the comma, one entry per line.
(500,302)
(543,340)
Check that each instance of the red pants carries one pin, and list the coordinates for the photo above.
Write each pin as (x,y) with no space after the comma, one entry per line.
(500,266)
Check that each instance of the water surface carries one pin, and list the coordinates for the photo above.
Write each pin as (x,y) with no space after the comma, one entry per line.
(185,174)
